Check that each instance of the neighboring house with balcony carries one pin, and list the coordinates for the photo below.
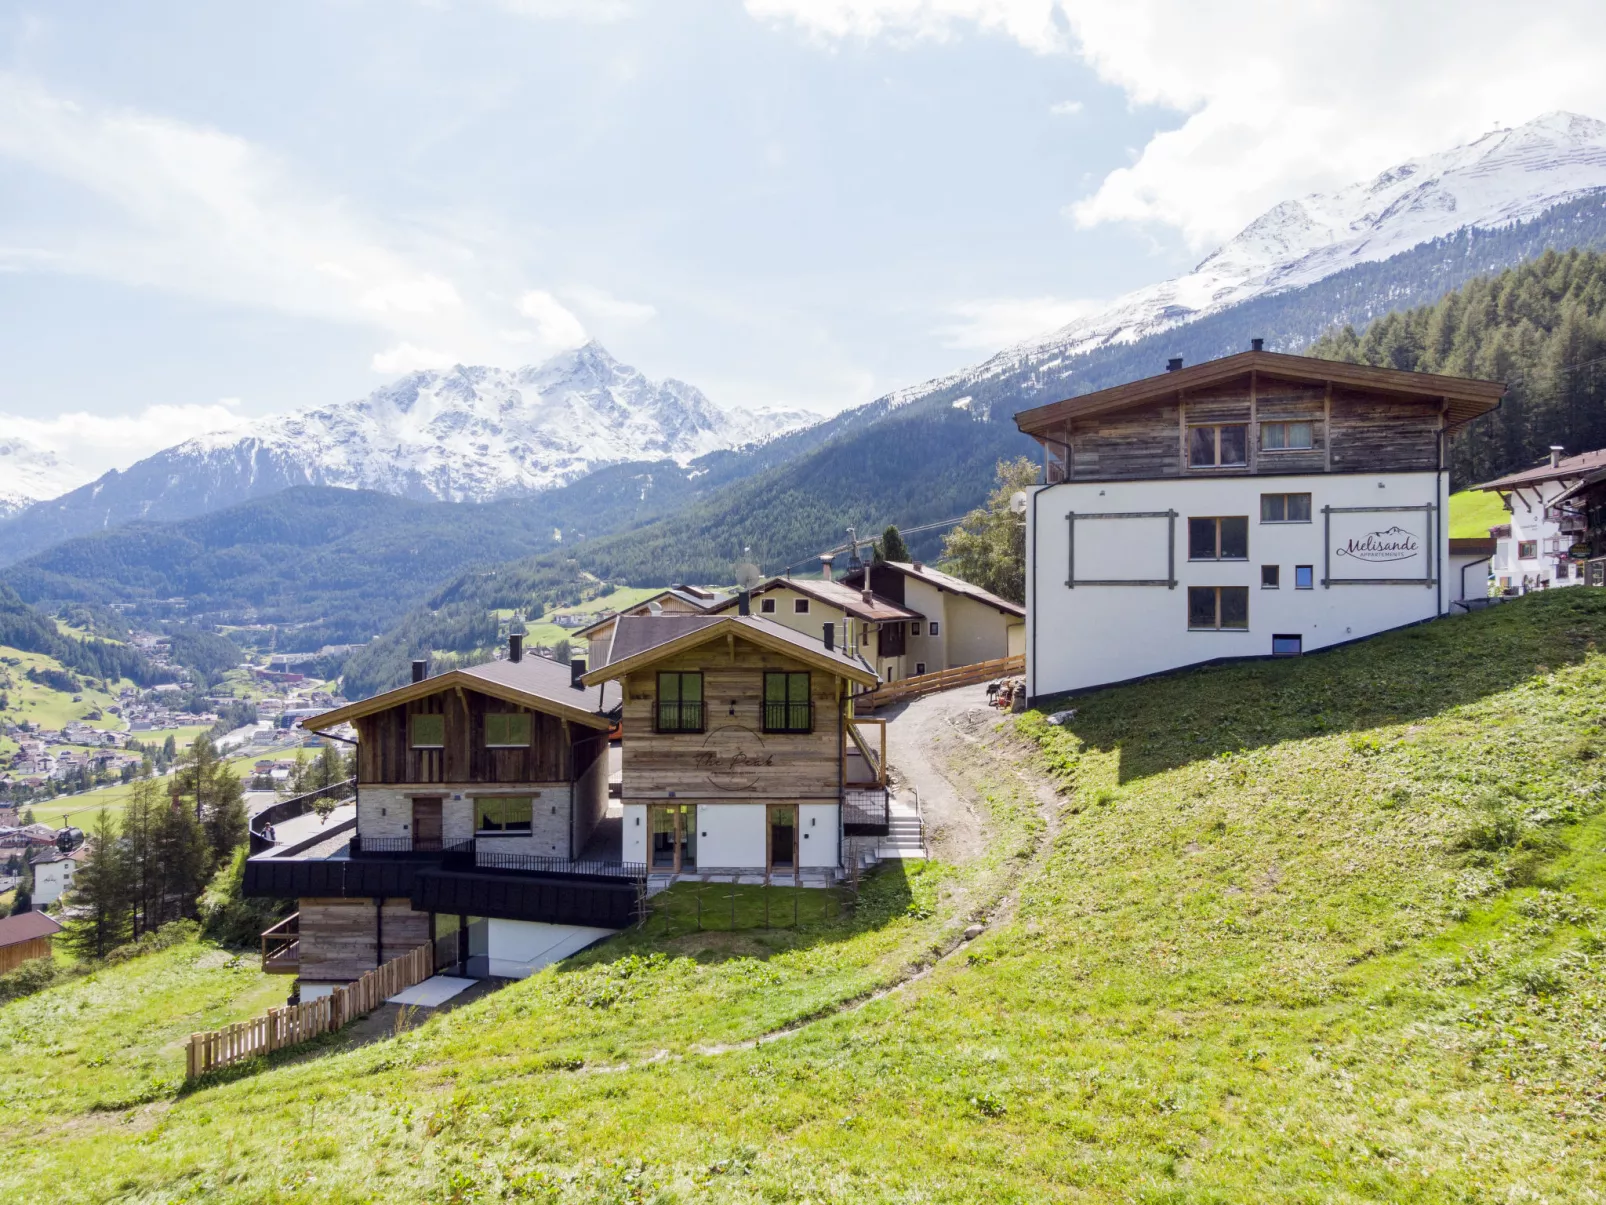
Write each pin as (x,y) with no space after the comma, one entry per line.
(737,739)
(1534,549)
(1256,505)
(1585,501)
(956,623)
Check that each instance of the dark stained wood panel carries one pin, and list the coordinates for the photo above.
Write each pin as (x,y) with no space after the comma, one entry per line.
(385,755)
(1131,444)
(1375,434)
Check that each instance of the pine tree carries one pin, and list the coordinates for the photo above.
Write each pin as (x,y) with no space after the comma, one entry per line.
(891,546)
(207,784)
(100,905)
(988,548)
(181,859)
(329,768)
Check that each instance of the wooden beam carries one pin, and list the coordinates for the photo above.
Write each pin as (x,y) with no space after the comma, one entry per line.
(1254,424)
(1327,429)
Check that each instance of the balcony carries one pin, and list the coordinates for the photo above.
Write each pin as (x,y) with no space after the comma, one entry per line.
(406,847)
(788,717)
(281,947)
(866,812)
(678,717)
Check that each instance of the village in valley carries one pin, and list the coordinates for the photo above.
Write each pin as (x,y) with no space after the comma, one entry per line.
(1161,761)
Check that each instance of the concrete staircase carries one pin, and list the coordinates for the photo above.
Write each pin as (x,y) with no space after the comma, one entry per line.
(905,837)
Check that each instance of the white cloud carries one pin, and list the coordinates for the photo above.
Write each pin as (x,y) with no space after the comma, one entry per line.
(989,324)
(555,325)
(1273,100)
(601,304)
(405,357)
(1066,108)
(90,444)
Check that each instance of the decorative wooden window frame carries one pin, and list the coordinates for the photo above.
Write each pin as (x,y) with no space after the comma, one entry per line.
(1169,581)
(1428,580)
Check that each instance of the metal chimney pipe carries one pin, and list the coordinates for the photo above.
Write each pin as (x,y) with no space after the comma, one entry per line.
(1174,363)
(1257,345)
(515,647)
(829,629)
(744,603)
(420,670)
(577,669)
(1555,454)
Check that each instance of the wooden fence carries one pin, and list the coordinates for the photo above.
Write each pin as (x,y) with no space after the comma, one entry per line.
(300,1022)
(924,684)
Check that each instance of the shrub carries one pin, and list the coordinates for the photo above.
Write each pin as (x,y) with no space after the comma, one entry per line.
(32,976)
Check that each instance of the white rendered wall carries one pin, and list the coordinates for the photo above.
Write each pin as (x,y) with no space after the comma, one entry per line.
(1530,521)
(518,948)
(817,826)
(634,847)
(975,631)
(928,600)
(732,834)
(1093,635)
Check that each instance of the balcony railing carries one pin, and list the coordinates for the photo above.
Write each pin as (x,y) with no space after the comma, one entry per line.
(680,717)
(281,946)
(866,813)
(788,717)
(482,859)
(406,847)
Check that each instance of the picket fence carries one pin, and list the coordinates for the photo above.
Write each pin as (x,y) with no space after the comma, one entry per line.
(301,1022)
(923,684)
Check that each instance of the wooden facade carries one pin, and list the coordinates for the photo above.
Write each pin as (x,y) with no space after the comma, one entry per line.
(17,953)
(340,938)
(385,755)
(732,759)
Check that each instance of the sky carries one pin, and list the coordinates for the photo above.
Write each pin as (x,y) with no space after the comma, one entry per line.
(213,212)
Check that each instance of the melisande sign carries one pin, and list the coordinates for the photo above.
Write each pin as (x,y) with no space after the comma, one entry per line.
(1395,544)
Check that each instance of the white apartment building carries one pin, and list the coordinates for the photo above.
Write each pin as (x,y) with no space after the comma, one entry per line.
(1542,545)
(1257,505)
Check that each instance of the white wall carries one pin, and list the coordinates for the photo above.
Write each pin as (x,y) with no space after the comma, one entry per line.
(517,948)
(51,881)
(635,833)
(933,650)
(818,825)
(975,632)
(1092,635)
(1476,577)
(732,834)
(1530,520)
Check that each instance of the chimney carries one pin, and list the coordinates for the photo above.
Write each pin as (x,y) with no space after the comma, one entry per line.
(1257,345)
(865,595)
(1555,454)
(919,565)
(1174,363)
(826,561)
(830,635)
(420,670)
(744,603)
(577,669)
(515,647)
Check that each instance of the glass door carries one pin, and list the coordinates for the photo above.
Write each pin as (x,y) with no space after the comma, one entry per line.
(673,837)
(783,837)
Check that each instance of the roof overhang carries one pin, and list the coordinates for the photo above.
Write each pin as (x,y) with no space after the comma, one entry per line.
(732,625)
(453,680)
(1465,397)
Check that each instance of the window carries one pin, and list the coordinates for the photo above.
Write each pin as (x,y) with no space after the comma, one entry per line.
(914,628)
(1285,508)
(800,606)
(502,814)
(680,702)
(766,606)
(1285,437)
(1271,577)
(507,731)
(1287,646)
(1304,577)
(427,731)
(1218,608)
(1218,539)
(934,631)
(787,707)
(920,668)
(1527,550)
(1218,447)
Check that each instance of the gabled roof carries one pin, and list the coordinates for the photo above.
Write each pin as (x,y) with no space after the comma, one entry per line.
(701,600)
(25,926)
(1568,466)
(532,682)
(1590,481)
(644,640)
(954,585)
(845,598)
(1467,398)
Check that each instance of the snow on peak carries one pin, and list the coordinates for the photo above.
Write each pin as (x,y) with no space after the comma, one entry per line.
(30,473)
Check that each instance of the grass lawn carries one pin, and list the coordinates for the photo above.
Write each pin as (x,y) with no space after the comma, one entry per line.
(41,704)
(543,631)
(1321,929)
(85,807)
(1473,513)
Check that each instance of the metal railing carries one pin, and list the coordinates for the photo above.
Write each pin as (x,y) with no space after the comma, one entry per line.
(789,717)
(866,812)
(679,717)
(289,809)
(482,859)
(406,847)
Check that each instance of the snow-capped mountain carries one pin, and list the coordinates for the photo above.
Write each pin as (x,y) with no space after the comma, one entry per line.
(472,434)
(29,473)
(1507,176)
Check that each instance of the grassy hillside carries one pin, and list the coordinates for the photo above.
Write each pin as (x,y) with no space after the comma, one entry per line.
(1473,513)
(1323,929)
(40,702)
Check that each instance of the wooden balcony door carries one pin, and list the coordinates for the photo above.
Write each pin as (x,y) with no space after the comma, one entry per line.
(427,822)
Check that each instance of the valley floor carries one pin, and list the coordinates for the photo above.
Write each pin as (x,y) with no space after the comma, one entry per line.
(1324,929)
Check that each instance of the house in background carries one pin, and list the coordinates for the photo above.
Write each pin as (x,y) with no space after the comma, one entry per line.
(1534,548)
(1586,501)
(1252,506)
(676,600)
(956,622)
(24,937)
(736,738)
(53,873)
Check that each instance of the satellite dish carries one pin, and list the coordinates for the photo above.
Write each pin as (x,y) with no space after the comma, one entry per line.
(748,575)
(1017,502)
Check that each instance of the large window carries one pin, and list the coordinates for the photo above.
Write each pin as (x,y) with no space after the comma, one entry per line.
(1218,608)
(1285,508)
(787,707)
(1225,539)
(680,702)
(502,813)
(509,731)
(1225,446)
(1285,437)
(426,731)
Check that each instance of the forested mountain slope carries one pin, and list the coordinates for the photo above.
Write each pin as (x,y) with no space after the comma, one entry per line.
(1540,327)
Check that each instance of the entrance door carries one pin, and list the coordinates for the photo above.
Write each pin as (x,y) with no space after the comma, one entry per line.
(674,837)
(783,837)
(427,823)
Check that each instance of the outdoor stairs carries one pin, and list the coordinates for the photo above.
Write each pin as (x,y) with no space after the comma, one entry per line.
(905,839)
